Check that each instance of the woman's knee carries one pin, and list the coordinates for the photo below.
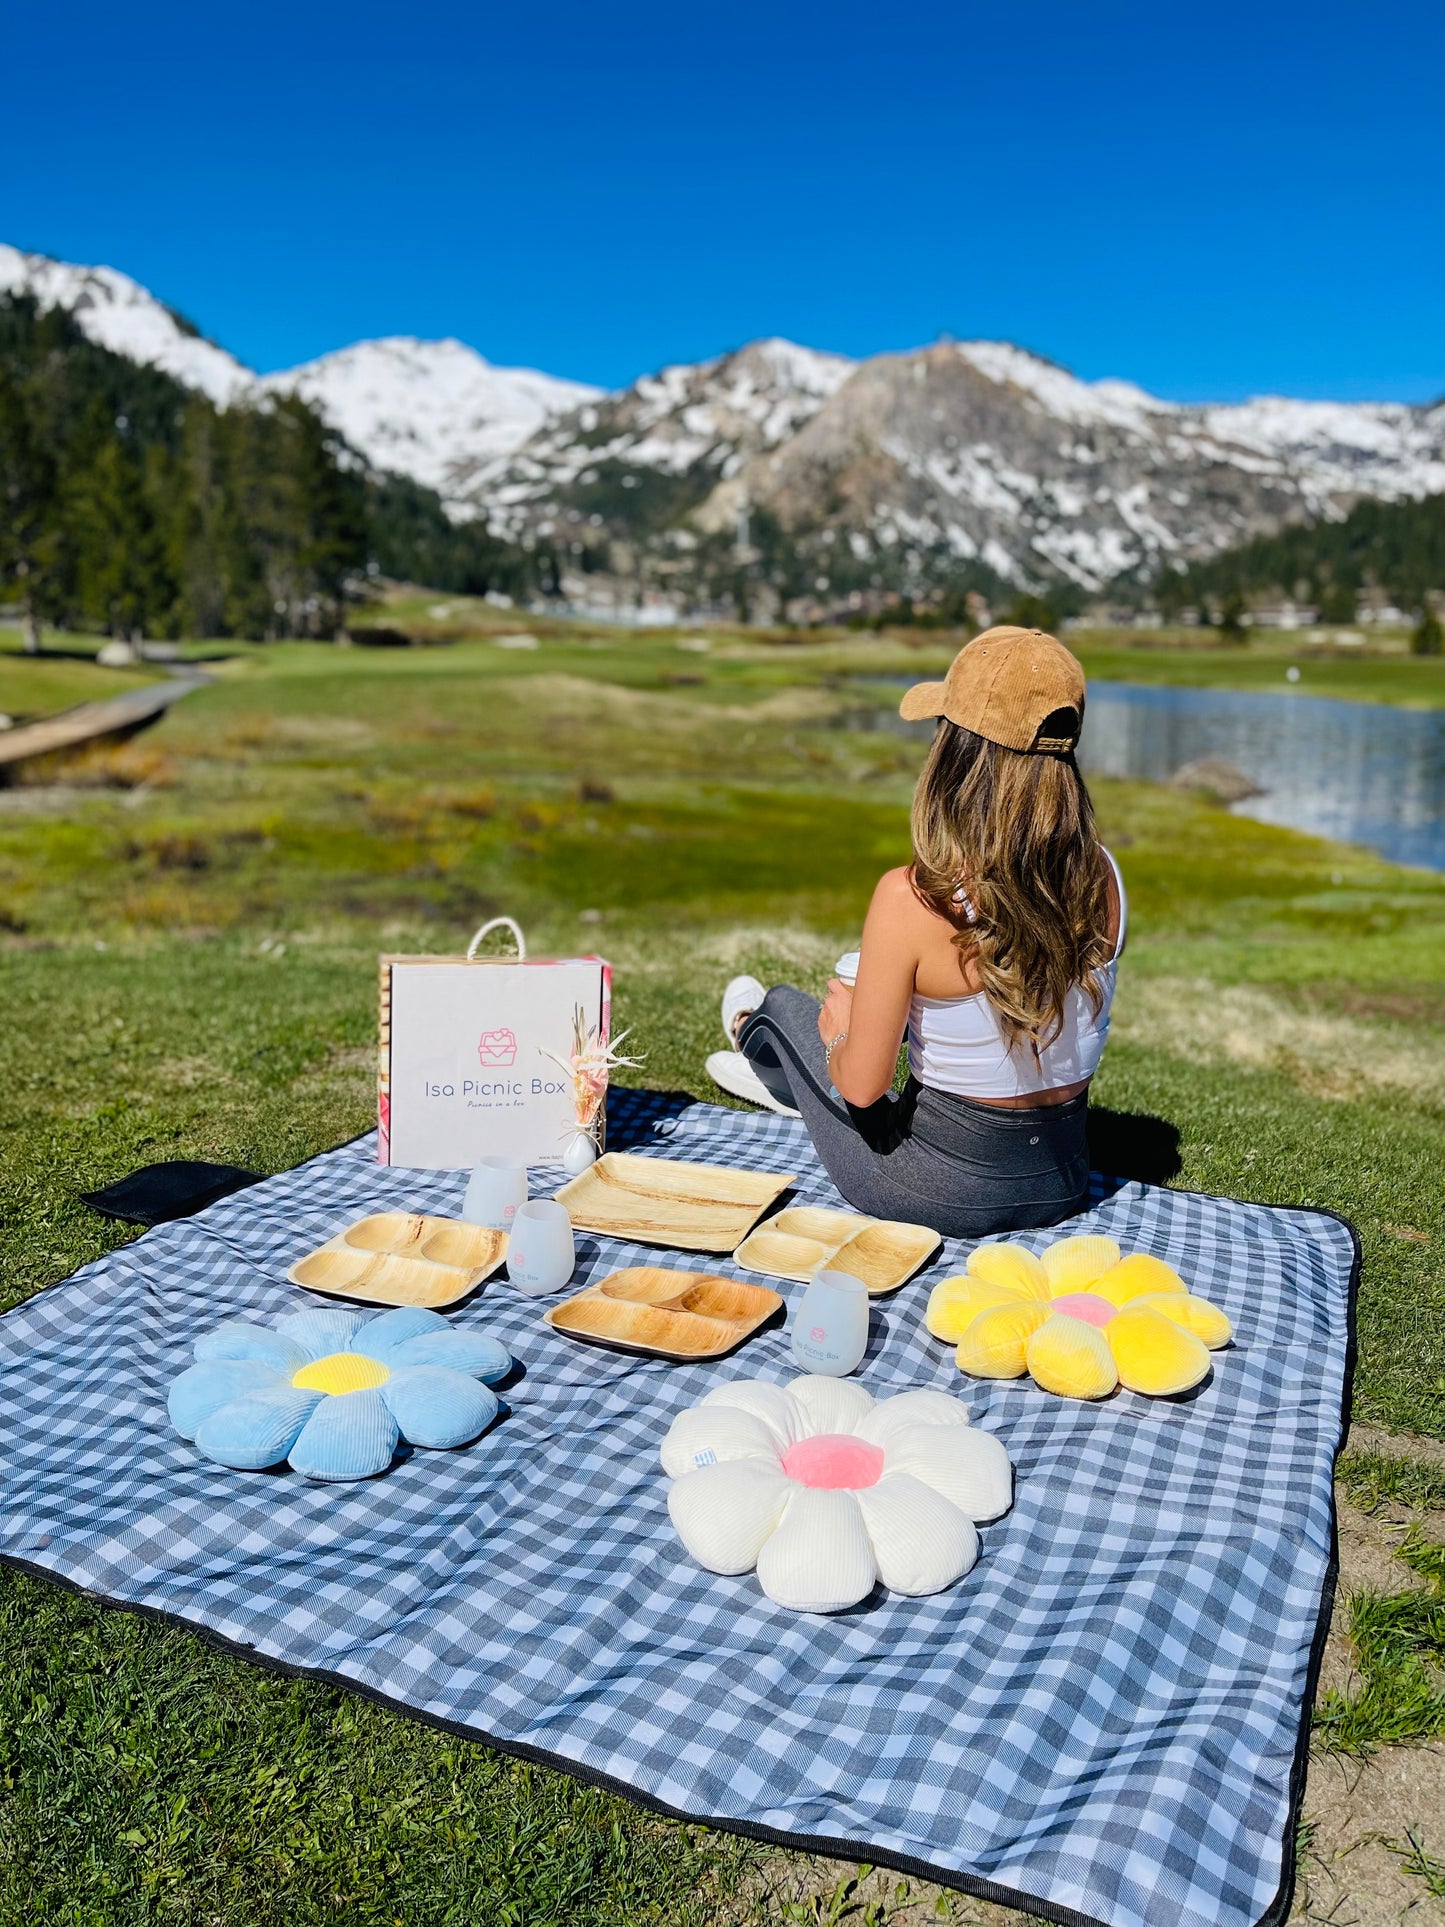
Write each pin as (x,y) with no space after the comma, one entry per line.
(786,1016)
(787,1007)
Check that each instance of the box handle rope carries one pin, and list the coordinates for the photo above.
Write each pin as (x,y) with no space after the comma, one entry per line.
(497,923)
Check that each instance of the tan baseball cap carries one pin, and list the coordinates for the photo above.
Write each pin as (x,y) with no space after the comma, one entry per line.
(1017,687)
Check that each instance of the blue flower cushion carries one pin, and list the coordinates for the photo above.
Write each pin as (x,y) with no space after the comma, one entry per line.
(333,1391)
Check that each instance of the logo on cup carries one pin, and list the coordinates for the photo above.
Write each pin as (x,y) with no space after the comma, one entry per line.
(818,1332)
(497,1047)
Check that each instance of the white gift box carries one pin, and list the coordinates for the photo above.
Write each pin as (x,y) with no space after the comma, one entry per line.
(464,1069)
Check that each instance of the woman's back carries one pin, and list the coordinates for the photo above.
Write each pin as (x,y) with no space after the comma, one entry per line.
(1004,993)
(956,1042)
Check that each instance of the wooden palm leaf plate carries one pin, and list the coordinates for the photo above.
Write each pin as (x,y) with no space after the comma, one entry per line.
(684,1315)
(660,1201)
(883,1252)
(402,1258)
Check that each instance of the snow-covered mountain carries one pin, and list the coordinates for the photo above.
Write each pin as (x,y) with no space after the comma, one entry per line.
(117,313)
(693,424)
(837,475)
(978,450)
(433,410)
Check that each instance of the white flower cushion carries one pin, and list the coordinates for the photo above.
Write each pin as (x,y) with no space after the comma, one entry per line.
(771,1403)
(826,1492)
(920,1539)
(724,1513)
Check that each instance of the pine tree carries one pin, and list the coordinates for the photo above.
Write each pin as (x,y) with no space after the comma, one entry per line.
(1428,636)
(28,537)
(1231,618)
(1337,603)
(121,581)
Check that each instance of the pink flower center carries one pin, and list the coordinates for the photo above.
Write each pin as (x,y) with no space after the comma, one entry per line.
(834,1462)
(1087,1305)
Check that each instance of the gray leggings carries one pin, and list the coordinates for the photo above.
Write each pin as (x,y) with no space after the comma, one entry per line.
(966,1169)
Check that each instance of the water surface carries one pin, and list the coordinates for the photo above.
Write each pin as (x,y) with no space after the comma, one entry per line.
(1361,772)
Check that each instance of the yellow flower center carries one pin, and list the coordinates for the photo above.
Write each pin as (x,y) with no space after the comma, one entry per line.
(341,1372)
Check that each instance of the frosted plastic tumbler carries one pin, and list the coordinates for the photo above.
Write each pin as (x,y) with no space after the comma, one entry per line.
(541,1255)
(830,1326)
(496,1188)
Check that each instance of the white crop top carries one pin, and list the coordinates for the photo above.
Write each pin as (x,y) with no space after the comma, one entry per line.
(956,1044)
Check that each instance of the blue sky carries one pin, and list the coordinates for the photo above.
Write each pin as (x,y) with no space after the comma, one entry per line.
(1212,200)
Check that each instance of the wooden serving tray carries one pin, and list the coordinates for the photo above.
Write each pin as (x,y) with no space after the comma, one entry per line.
(666,1314)
(883,1252)
(402,1258)
(658,1201)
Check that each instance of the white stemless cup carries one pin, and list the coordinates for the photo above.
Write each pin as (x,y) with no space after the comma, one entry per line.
(541,1255)
(830,1325)
(495,1190)
(846,968)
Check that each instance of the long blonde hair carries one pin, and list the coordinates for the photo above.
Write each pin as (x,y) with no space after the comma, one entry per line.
(1014,831)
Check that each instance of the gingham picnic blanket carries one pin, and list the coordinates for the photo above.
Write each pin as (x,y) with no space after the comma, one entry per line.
(1102,1722)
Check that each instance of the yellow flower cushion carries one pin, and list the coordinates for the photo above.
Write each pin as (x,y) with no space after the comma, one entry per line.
(1154,1354)
(953,1305)
(1074,1263)
(1134,1276)
(1068,1356)
(1010,1265)
(995,1344)
(1080,1321)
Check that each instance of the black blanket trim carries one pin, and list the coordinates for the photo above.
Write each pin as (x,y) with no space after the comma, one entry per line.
(836,1849)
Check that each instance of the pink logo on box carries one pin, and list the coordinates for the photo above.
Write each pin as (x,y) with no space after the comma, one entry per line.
(497,1047)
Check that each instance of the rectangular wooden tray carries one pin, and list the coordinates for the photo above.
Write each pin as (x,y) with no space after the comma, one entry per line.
(402,1258)
(660,1201)
(650,1309)
(883,1252)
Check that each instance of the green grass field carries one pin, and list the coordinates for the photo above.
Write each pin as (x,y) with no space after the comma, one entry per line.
(190,928)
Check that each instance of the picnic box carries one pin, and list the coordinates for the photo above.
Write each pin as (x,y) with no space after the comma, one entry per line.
(468,1056)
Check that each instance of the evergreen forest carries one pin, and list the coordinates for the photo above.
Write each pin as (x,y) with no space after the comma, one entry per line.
(132,506)
(1396,547)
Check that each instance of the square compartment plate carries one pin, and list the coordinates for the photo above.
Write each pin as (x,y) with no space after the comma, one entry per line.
(402,1258)
(883,1252)
(684,1315)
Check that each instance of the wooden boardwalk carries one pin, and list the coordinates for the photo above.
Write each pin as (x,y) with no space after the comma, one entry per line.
(89,722)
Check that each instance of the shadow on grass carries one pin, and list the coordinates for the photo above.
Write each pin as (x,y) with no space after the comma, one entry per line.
(1132,1145)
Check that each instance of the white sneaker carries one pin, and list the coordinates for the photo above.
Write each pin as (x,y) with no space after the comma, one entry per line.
(732,1072)
(742,996)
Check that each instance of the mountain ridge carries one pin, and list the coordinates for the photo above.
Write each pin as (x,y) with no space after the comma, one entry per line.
(805,477)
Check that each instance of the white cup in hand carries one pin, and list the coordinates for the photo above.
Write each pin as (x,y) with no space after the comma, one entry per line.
(846,968)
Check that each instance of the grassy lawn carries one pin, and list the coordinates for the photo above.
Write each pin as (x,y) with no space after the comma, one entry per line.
(32,686)
(190,944)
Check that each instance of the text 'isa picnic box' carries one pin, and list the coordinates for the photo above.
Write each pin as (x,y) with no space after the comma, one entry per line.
(469,1055)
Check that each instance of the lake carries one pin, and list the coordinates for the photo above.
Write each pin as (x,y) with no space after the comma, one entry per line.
(1361,772)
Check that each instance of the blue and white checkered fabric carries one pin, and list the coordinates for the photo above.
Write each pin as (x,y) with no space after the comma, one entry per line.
(1101,1721)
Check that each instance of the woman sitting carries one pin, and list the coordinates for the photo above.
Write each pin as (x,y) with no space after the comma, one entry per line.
(995,950)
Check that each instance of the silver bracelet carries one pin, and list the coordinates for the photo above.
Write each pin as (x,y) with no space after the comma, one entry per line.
(829,1048)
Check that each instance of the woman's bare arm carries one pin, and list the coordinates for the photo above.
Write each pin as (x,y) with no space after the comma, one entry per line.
(875,1013)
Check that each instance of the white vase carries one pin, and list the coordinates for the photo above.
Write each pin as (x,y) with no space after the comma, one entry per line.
(578,1153)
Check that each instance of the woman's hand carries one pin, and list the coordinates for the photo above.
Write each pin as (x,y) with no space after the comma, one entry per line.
(837,1011)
